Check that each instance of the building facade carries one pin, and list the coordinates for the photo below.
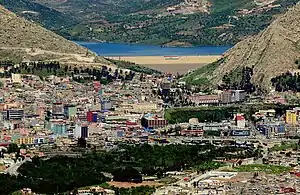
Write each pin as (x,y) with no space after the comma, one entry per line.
(153,122)
(291,117)
(15,114)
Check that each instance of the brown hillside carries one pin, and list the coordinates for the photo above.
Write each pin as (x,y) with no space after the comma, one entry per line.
(271,52)
(24,40)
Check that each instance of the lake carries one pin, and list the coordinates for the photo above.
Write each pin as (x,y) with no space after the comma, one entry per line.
(122,49)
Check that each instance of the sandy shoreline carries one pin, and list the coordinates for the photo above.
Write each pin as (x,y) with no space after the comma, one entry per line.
(159,60)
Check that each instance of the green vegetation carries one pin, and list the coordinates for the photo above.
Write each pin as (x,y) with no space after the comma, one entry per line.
(103,185)
(17,193)
(127,163)
(79,74)
(284,146)
(270,169)
(216,113)
(287,82)
(194,29)
(168,180)
(142,190)
(47,17)
(201,75)
(207,166)
(12,148)
(134,67)
(240,78)
(212,113)
(234,76)
(44,72)
(226,5)
(142,21)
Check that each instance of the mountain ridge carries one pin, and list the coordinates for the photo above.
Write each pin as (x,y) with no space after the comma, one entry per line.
(270,53)
(24,40)
(159,22)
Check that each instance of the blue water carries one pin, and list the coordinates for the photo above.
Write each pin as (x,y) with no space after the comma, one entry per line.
(119,49)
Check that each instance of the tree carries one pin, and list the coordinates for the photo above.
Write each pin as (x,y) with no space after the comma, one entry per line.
(128,174)
(44,176)
(23,146)
(13,148)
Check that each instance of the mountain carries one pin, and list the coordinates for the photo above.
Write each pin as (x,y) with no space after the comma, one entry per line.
(270,53)
(163,22)
(48,17)
(24,40)
(93,9)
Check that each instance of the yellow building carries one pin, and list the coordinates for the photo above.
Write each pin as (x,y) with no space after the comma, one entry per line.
(25,140)
(138,107)
(291,117)
(16,78)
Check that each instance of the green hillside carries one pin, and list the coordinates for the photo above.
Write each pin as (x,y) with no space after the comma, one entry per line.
(47,17)
(261,63)
(148,21)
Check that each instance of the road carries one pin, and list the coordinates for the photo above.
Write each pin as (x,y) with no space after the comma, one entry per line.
(13,169)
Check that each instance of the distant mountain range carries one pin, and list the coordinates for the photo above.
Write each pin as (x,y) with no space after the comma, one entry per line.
(270,53)
(164,22)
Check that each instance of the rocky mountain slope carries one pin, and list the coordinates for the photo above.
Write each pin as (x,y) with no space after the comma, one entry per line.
(24,40)
(270,53)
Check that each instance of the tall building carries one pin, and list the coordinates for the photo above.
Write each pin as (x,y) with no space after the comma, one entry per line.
(226,97)
(106,104)
(57,109)
(84,132)
(240,121)
(58,127)
(239,95)
(231,96)
(81,131)
(70,111)
(291,117)
(152,122)
(92,116)
(15,114)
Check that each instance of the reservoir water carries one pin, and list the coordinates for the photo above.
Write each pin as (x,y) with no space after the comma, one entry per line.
(120,49)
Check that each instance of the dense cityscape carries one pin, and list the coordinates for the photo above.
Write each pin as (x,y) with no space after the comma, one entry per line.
(149,97)
(141,130)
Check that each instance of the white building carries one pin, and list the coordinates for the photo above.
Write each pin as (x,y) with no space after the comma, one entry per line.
(16,78)
(240,121)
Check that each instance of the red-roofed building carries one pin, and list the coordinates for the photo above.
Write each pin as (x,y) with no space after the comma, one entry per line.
(288,190)
(7,138)
(204,99)
(4,144)
(240,121)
